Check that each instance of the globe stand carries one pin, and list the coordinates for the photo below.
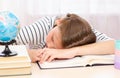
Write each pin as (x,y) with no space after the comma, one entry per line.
(7,52)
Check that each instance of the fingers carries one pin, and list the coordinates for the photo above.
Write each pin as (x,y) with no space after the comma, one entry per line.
(47,55)
(51,59)
(36,55)
(34,59)
(44,57)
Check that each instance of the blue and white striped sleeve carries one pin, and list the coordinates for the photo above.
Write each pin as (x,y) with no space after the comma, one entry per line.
(34,35)
(101,36)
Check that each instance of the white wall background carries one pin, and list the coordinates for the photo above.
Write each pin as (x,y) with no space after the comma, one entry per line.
(103,15)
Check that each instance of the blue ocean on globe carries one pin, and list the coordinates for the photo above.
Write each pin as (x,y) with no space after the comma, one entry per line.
(8,26)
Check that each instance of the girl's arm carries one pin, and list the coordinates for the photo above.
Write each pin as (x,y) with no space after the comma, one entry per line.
(105,47)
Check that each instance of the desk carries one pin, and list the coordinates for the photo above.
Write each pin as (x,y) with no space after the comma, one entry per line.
(82,72)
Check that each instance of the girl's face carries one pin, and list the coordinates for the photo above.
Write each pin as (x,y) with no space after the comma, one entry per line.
(53,40)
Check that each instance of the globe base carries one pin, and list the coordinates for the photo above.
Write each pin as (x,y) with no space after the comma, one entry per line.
(8,55)
(7,52)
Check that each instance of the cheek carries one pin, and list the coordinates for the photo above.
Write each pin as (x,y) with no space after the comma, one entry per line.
(48,39)
(58,45)
(49,42)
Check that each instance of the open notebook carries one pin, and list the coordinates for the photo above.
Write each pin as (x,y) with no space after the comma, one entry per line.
(87,60)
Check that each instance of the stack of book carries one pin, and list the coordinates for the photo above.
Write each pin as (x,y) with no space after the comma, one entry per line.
(19,65)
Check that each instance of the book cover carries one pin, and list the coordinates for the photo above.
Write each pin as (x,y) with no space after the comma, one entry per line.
(87,60)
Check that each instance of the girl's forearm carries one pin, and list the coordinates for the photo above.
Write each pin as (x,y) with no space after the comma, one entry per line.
(105,47)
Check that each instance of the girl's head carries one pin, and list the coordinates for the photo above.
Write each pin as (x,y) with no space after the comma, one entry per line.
(71,31)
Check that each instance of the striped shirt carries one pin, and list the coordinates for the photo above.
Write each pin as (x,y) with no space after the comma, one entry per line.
(35,34)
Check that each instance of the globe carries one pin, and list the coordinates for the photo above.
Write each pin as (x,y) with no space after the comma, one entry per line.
(8,31)
(8,26)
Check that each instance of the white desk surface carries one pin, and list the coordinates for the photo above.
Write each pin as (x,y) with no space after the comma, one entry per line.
(81,72)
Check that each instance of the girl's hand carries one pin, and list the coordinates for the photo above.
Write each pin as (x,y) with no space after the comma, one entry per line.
(49,55)
(34,54)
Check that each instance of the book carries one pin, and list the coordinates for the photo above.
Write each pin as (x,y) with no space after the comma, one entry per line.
(15,71)
(15,65)
(83,61)
(22,59)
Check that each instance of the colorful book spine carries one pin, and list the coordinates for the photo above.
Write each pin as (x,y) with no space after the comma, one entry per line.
(117,54)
